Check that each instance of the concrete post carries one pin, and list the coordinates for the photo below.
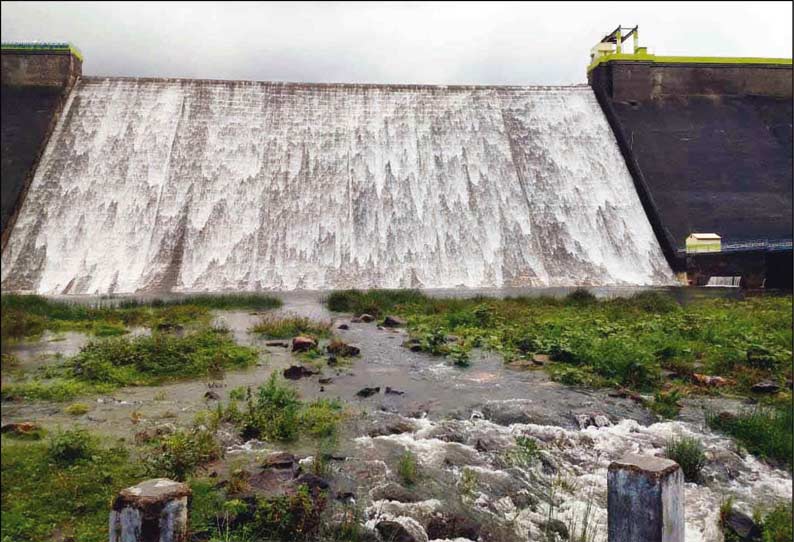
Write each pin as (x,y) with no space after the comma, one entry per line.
(153,511)
(645,500)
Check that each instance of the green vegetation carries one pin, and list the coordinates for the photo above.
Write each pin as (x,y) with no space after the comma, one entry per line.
(30,315)
(62,486)
(407,468)
(604,342)
(666,404)
(103,365)
(777,525)
(287,326)
(374,302)
(526,452)
(765,431)
(276,413)
(181,453)
(77,409)
(689,454)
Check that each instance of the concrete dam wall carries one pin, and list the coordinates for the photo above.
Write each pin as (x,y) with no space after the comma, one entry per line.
(186,185)
(709,144)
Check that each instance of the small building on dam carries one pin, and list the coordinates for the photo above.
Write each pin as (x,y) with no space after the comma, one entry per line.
(125,185)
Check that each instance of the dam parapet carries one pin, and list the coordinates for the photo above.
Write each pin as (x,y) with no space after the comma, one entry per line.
(708,141)
(36,79)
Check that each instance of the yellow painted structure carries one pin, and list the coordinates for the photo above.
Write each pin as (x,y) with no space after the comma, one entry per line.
(703,242)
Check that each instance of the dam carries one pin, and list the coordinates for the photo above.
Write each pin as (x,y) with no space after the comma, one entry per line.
(115,185)
(180,185)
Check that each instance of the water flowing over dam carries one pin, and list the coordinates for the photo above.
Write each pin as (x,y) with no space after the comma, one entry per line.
(153,185)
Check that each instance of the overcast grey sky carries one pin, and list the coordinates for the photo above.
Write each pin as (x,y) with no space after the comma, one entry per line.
(402,42)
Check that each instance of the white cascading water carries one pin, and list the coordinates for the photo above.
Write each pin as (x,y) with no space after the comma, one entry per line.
(187,185)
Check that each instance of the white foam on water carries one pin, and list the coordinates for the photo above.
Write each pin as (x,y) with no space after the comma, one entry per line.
(180,185)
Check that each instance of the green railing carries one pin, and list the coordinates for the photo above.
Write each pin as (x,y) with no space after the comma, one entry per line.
(42,47)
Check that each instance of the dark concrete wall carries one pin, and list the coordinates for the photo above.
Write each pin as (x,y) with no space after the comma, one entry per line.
(709,146)
(34,90)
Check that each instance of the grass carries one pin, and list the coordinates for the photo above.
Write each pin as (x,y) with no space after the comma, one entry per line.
(689,454)
(277,413)
(526,452)
(181,453)
(104,365)
(61,488)
(288,326)
(777,525)
(31,315)
(666,404)
(623,342)
(408,469)
(77,409)
(765,431)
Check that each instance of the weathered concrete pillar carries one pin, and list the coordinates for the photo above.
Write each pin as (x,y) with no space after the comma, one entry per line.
(645,500)
(153,511)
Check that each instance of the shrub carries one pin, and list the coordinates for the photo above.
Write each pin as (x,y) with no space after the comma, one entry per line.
(77,409)
(285,327)
(273,413)
(777,526)
(667,404)
(179,454)
(764,431)
(525,452)
(407,468)
(688,453)
(374,302)
(580,296)
(68,447)
(289,517)
(320,418)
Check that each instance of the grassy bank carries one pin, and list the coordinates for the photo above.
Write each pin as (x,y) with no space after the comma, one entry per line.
(106,364)
(30,315)
(611,342)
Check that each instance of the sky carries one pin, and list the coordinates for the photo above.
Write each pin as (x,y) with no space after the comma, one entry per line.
(489,43)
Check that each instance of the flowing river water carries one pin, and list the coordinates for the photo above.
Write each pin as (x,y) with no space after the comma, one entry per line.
(461,425)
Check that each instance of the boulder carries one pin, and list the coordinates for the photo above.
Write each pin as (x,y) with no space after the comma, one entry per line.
(366,318)
(296,372)
(282,344)
(314,483)
(22,429)
(407,530)
(279,460)
(392,391)
(707,380)
(742,526)
(326,380)
(302,344)
(340,348)
(453,526)
(393,321)
(367,392)
(343,326)
(212,396)
(392,491)
(554,525)
(765,386)
(355,320)
(541,359)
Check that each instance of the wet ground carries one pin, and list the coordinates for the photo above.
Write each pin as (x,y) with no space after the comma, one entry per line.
(461,424)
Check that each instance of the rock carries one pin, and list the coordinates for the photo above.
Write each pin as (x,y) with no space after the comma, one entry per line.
(343,326)
(367,392)
(169,327)
(452,527)
(392,491)
(554,525)
(517,411)
(339,348)
(707,380)
(22,429)
(742,526)
(296,372)
(392,391)
(326,380)
(585,420)
(212,396)
(302,344)
(391,425)
(393,321)
(761,358)
(322,389)
(282,344)
(765,386)
(541,359)
(355,320)
(449,431)
(413,345)
(408,530)
(279,460)
(366,317)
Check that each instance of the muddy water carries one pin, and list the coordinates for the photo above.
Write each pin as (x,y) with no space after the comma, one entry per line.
(460,423)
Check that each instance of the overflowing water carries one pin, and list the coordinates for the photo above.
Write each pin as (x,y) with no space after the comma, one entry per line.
(185,185)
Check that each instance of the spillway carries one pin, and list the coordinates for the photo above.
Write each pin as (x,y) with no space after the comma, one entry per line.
(156,185)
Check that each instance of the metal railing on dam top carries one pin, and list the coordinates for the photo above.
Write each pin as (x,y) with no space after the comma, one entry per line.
(766,245)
